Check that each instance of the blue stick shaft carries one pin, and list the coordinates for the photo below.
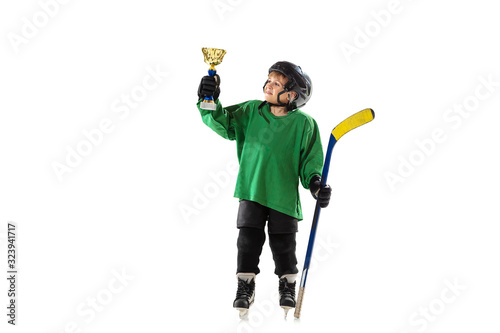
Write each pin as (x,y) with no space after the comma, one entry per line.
(317,210)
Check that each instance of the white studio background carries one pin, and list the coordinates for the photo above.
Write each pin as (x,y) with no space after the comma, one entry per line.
(137,232)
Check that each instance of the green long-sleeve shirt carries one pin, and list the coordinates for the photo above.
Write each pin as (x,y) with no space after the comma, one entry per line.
(274,152)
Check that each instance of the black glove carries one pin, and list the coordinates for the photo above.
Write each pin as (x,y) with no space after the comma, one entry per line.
(209,86)
(322,194)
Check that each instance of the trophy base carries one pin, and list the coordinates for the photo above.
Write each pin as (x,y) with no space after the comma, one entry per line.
(208,106)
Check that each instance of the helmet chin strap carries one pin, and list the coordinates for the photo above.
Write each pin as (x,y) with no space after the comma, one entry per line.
(280,103)
(287,105)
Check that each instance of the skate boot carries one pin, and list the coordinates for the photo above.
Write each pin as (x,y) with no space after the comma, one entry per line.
(287,292)
(245,293)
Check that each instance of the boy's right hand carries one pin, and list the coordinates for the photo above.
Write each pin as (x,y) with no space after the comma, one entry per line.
(209,86)
(322,194)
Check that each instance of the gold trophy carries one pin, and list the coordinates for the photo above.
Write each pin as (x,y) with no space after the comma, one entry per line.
(213,57)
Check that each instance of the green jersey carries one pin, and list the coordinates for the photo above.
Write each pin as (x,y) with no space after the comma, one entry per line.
(274,152)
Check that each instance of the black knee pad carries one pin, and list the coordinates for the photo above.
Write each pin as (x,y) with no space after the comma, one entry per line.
(251,240)
(283,249)
(282,243)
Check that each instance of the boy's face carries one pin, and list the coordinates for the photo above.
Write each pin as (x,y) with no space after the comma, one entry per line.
(273,87)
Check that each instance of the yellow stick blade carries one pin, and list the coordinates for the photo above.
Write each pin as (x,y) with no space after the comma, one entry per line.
(356,120)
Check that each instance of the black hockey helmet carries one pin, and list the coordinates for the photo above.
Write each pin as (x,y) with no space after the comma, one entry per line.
(298,81)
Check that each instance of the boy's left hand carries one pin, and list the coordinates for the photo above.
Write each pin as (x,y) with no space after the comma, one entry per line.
(322,194)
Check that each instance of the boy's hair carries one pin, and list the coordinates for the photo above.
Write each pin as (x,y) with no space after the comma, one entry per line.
(280,75)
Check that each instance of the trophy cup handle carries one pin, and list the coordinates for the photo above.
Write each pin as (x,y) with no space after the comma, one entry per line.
(208,102)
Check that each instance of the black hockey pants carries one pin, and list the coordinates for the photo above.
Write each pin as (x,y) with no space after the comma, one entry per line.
(282,228)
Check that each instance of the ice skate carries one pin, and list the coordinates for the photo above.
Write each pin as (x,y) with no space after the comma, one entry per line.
(287,292)
(245,294)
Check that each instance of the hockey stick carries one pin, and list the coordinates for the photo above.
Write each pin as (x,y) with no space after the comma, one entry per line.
(356,120)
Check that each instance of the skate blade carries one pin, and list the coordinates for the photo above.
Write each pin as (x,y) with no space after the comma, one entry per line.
(243,313)
(286,308)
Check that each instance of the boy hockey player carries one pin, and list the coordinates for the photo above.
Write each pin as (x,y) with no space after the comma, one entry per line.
(277,145)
